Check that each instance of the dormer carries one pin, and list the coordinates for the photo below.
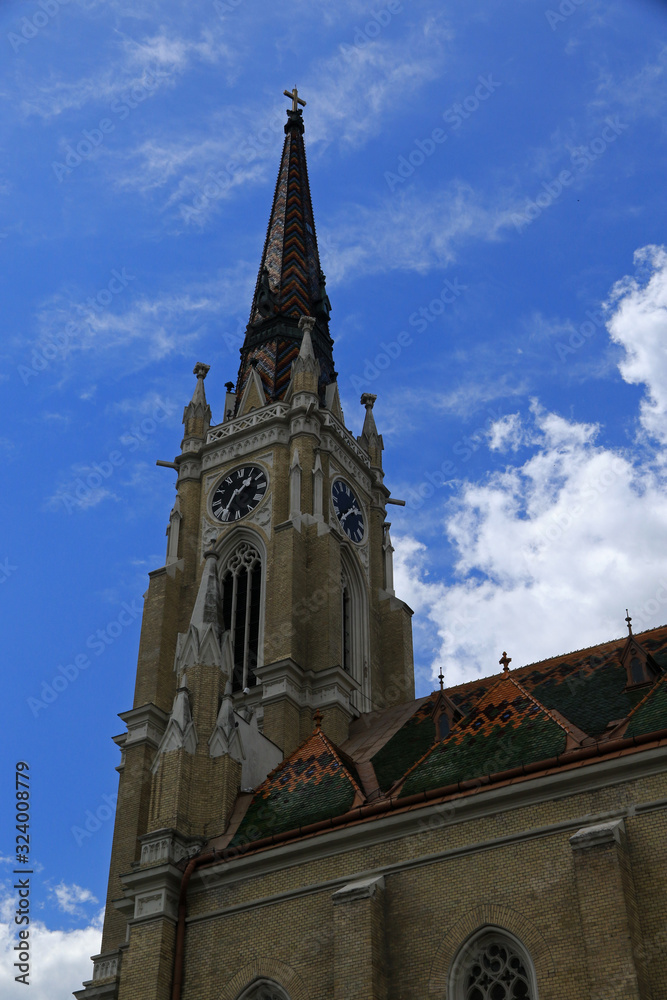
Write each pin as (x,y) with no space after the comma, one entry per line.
(640,667)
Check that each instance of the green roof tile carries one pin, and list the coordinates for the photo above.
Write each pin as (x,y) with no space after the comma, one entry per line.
(651,713)
(312,784)
(505,729)
(406,746)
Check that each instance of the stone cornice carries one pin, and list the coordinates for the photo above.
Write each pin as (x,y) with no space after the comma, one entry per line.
(305,688)
(145,724)
(150,893)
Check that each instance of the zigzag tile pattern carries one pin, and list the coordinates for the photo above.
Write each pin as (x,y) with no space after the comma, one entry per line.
(292,260)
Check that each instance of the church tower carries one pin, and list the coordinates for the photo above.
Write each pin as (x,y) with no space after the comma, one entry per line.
(276,599)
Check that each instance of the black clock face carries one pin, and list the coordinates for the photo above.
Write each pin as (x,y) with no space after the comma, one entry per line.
(239,493)
(348,510)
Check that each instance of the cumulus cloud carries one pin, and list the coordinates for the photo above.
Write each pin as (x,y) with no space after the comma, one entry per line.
(506,433)
(61,958)
(549,551)
(639,325)
(71,897)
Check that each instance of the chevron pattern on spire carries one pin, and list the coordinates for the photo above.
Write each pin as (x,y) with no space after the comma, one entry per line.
(290,283)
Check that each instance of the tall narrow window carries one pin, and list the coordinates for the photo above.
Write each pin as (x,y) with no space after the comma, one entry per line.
(346,620)
(241,600)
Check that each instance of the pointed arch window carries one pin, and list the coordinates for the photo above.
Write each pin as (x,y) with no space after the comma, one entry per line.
(346,621)
(241,609)
(264,989)
(492,965)
(354,655)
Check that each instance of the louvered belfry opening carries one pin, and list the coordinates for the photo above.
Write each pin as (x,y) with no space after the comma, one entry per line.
(241,609)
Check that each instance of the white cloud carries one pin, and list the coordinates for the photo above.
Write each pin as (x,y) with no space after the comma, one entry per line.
(506,433)
(550,551)
(60,958)
(369,77)
(146,65)
(134,332)
(413,231)
(639,325)
(71,897)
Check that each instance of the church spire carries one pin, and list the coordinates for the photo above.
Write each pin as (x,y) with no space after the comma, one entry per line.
(290,283)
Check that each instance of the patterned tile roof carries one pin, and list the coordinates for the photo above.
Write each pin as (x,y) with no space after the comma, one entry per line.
(506,728)
(526,716)
(290,283)
(317,781)
(650,715)
(406,746)
(587,686)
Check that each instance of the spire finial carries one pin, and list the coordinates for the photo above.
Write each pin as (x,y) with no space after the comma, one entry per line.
(201,370)
(505,661)
(296,100)
(317,719)
(441,678)
(629,621)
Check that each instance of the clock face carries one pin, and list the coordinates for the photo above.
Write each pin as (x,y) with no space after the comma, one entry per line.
(239,493)
(348,510)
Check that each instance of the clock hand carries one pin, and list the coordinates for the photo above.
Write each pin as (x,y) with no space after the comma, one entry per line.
(230,500)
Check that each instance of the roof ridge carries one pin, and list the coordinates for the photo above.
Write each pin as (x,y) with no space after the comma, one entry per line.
(653,688)
(344,760)
(557,656)
(546,710)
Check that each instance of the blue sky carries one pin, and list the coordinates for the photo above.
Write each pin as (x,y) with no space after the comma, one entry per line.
(488,188)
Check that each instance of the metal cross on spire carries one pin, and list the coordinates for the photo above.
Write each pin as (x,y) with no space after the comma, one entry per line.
(296,100)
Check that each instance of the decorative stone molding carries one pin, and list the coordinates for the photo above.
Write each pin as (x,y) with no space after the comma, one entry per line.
(366,888)
(247,445)
(104,984)
(599,835)
(305,688)
(247,422)
(491,915)
(346,464)
(330,421)
(106,966)
(263,967)
(151,893)
(145,724)
(167,845)
(189,469)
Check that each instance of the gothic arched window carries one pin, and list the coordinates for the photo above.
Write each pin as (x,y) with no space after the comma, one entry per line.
(354,631)
(264,989)
(241,609)
(346,621)
(492,965)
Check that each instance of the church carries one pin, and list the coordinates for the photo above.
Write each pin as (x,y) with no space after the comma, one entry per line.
(292,824)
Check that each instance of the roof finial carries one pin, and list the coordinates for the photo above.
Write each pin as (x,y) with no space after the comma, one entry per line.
(317,719)
(505,660)
(201,370)
(629,621)
(296,100)
(441,678)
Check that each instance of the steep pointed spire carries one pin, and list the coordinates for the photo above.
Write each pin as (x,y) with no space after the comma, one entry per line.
(290,283)
(197,414)
(370,439)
